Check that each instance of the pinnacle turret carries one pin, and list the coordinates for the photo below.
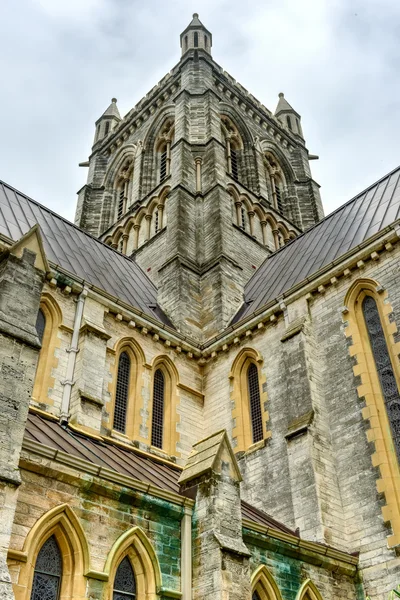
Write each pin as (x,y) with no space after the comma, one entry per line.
(196,36)
(108,121)
(289,117)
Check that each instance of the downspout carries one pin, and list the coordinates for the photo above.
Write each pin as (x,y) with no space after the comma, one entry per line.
(72,350)
(186,554)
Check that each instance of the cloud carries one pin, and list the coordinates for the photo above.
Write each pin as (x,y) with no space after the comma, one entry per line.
(62,61)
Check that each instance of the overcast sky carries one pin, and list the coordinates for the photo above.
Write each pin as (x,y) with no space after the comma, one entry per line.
(337,61)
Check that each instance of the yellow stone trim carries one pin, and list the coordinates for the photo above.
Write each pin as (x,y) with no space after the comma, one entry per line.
(61,522)
(42,413)
(138,360)
(308,591)
(264,584)
(47,360)
(370,389)
(137,547)
(242,431)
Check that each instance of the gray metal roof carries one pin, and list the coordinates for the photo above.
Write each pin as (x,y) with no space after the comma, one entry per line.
(365,215)
(124,461)
(79,253)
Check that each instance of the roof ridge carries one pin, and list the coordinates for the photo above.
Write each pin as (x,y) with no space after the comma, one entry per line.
(71,224)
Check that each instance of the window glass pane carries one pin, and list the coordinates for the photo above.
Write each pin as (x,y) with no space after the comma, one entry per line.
(158,410)
(255,403)
(124,583)
(40,325)
(48,571)
(122,392)
(384,367)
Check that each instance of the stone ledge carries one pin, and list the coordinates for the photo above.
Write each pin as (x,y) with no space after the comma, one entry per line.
(300,425)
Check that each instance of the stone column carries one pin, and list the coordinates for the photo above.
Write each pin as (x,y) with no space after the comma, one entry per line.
(251,214)
(220,558)
(148,226)
(264,232)
(125,237)
(21,283)
(136,229)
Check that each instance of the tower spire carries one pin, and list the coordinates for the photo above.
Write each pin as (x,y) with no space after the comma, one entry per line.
(108,120)
(196,36)
(288,115)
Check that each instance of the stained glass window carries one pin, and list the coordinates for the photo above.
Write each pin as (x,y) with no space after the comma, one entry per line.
(384,367)
(124,583)
(255,403)
(40,325)
(48,572)
(158,409)
(122,392)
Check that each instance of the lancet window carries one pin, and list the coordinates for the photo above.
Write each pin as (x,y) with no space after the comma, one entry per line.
(40,325)
(384,367)
(124,582)
(122,186)
(48,572)
(157,424)
(255,403)
(122,392)
(163,146)
(276,181)
(234,145)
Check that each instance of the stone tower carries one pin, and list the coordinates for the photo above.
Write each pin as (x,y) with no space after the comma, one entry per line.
(199,183)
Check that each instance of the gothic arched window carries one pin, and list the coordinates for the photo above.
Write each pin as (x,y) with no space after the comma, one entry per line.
(124,582)
(107,129)
(40,325)
(255,596)
(196,39)
(384,367)
(48,572)
(255,403)
(234,145)
(157,424)
(122,392)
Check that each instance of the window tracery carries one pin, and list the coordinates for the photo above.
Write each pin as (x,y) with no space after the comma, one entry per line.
(48,572)
(124,582)
(384,367)
(233,144)
(276,180)
(163,145)
(123,184)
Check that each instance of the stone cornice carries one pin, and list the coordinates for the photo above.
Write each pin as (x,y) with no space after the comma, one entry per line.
(330,558)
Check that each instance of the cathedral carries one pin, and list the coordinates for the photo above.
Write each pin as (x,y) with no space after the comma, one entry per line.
(199,378)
